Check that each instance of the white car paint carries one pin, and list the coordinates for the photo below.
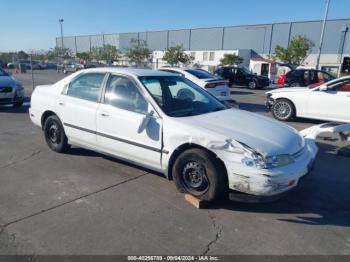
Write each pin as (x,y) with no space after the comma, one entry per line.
(317,103)
(233,135)
(221,91)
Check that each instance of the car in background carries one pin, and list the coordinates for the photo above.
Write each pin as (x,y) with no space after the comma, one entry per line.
(173,126)
(242,76)
(11,90)
(70,67)
(218,87)
(329,101)
(304,77)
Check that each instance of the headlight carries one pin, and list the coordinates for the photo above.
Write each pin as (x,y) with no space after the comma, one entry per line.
(257,160)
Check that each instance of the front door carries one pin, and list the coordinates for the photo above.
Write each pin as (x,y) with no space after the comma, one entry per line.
(120,118)
(77,106)
(333,103)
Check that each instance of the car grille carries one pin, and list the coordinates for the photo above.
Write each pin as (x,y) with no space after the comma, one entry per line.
(6,89)
(5,100)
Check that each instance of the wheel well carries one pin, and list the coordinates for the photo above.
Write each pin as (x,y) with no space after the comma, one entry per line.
(290,101)
(45,115)
(177,152)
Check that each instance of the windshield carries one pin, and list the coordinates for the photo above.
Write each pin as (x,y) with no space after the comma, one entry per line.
(3,72)
(201,74)
(178,96)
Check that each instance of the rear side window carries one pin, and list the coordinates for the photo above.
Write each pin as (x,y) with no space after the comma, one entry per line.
(122,93)
(86,87)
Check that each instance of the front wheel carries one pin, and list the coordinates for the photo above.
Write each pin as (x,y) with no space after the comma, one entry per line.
(200,174)
(55,136)
(283,110)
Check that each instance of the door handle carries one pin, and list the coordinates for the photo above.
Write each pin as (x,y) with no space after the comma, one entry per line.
(61,103)
(104,114)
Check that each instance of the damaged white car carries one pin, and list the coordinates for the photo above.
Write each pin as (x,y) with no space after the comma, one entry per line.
(167,123)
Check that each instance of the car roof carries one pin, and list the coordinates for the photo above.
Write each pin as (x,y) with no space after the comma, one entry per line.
(128,71)
(179,69)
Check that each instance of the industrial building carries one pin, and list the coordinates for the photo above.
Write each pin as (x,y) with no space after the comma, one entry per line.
(255,43)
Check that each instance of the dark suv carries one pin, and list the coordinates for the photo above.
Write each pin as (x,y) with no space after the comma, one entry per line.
(242,76)
(306,77)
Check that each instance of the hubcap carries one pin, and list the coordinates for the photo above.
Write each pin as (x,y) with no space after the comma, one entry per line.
(54,133)
(282,110)
(195,178)
(251,85)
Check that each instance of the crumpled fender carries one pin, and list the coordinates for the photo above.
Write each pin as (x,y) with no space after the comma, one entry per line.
(343,130)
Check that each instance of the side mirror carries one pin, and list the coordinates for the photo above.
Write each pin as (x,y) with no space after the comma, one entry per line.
(145,121)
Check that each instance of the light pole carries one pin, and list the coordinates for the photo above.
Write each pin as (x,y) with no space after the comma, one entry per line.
(61,23)
(322,34)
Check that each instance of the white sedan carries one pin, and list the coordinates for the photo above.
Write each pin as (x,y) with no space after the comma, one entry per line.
(168,124)
(218,87)
(329,101)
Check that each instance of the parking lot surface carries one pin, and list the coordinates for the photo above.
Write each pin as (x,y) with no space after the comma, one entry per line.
(87,203)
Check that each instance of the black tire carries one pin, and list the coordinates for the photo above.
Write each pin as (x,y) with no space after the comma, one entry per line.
(283,110)
(252,84)
(199,173)
(55,136)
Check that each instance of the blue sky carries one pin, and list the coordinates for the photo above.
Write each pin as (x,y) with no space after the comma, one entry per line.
(34,24)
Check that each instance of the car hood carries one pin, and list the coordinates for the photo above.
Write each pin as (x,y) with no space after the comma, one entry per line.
(288,90)
(265,135)
(8,81)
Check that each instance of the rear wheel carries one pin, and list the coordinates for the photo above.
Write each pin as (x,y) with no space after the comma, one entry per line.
(252,84)
(198,173)
(283,110)
(54,135)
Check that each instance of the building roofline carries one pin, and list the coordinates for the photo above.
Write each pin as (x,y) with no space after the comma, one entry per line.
(213,27)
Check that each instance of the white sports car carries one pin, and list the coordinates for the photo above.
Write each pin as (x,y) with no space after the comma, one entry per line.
(167,123)
(329,101)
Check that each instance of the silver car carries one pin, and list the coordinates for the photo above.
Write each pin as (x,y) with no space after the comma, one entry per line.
(11,90)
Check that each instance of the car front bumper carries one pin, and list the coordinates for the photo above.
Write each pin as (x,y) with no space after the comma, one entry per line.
(271,182)
(11,97)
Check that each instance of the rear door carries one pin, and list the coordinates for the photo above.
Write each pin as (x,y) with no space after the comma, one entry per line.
(120,118)
(77,106)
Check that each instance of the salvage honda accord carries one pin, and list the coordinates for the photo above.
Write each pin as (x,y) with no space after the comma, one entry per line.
(165,122)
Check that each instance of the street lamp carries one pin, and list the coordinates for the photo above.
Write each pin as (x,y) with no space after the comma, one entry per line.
(61,23)
(322,34)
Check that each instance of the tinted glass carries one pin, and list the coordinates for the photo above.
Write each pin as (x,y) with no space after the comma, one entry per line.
(178,96)
(201,74)
(86,87)
(122,93)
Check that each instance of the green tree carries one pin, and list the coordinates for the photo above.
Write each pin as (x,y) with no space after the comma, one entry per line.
(106,52)
(55,53)
(231,59)
(176,55)
(139,52)
(84,55)
(297,51)
(22,55)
